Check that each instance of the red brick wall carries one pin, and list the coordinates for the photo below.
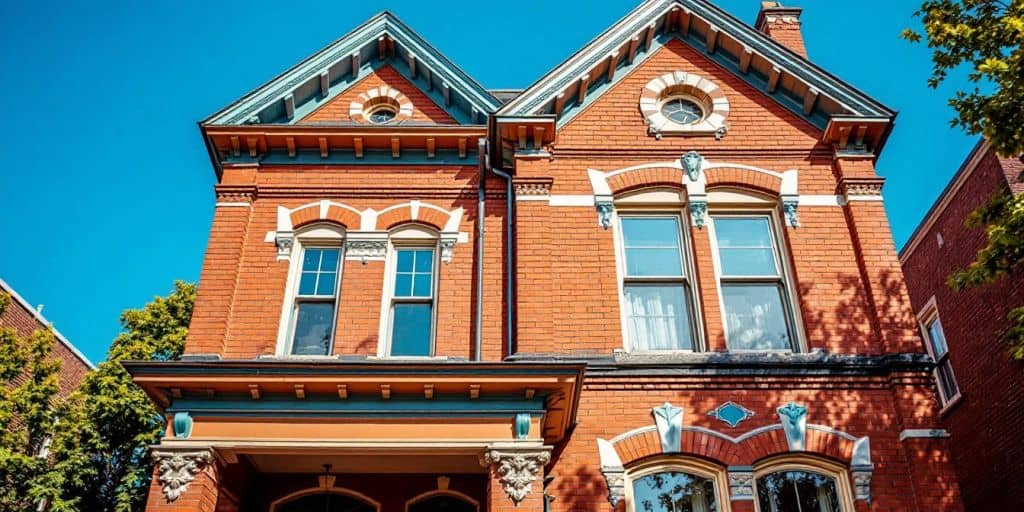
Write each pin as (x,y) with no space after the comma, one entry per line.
(986,423)
(337,109)
(24,322)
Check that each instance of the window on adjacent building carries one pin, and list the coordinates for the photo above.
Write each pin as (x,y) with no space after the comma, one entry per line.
(315,301)
(656,289)
(935,339)
(753,286)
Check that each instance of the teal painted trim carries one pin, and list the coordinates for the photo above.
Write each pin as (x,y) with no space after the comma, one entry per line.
(522,425)
(182,424)
(730,62)
(375,158)
(362,406)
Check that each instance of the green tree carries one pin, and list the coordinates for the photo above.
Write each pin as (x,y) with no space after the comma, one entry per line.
(107,456)
(30,407)
(985,37)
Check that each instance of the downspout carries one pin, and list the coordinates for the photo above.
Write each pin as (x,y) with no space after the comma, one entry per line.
(481,198)
(510,286)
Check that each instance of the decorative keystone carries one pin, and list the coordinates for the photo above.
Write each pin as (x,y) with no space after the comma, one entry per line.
(731,413)
(176,470)
(794,423)
(669,421)
(692,164)
(517,470)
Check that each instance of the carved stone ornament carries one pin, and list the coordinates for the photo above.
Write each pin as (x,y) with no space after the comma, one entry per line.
(862,485)
(176,470)
(604,214)
(447,249)
(741,484)
(284,240)
(533,188)
(669,421)
(615,479)
(794,423)
(692,163)
(365,250)
(789,209)
(517,470)
(699,212)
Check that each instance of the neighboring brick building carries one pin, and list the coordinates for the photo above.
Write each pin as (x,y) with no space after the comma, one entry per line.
(979,384)
(26,319)
(692,302)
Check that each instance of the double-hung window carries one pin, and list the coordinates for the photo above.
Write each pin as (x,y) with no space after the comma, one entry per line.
(315,302)
(753,286)
(412,302)
(656,290)
(935,338)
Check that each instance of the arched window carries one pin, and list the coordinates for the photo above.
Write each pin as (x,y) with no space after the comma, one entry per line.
(324,501)
(803,486)
(676,485)
(442,501)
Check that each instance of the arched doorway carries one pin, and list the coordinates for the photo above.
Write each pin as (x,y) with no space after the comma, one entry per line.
(325,501)
(442,501)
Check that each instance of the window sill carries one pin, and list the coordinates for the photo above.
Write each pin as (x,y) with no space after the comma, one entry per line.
(950,405)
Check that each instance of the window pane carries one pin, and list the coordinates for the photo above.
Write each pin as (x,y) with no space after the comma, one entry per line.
(307,285)
(652,246)
(405,259)
(944,373)
(326,284)
(311,259)
(755,317)
(313,324)
(658,317)
(937,338)
(797,491)
(674,492)
(424,261)
(329,260)
(421,285)
(403,285)
(745,246)
(410,331)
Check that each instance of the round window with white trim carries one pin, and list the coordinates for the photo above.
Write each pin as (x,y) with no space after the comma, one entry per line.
(381,105)
(681,103)
(682,110)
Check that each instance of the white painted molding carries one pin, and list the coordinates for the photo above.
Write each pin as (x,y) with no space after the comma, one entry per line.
(230,204)
(923,433)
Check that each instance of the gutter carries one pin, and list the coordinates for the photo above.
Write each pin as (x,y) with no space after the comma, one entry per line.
(481,199)
(510,288)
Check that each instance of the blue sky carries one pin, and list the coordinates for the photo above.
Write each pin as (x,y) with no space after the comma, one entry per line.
(106,194)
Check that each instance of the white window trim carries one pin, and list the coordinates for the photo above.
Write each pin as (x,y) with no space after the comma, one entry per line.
(796,325)
(929,313)
(811,465)
(681,464)
(309,238)
(388,298)
(689,271)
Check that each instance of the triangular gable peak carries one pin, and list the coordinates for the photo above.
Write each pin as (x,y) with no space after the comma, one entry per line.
(383,41)
(847,117)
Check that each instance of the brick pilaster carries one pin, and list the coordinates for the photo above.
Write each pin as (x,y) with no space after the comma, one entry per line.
(516,482)
(183,481)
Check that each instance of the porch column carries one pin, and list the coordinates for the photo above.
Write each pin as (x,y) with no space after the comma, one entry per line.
(183,480)
(516,478)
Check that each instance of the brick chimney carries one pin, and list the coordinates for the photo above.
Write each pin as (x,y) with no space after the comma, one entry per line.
(782,24)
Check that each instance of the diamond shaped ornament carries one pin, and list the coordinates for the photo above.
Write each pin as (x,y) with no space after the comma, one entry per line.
(731,413)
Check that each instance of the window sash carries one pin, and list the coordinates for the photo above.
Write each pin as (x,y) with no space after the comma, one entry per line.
(678,247)
(397,342)
(660,330)
(328,295)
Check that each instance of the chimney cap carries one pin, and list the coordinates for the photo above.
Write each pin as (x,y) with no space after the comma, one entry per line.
(775,8)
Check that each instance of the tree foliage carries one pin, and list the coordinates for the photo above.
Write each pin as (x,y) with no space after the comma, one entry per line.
(30,407)
(106,456)
(987,38)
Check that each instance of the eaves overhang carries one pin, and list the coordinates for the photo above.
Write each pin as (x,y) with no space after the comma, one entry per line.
(399,389)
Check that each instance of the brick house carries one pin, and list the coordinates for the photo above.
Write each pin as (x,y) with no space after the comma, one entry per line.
(25,319)
(661,277)
(978,384)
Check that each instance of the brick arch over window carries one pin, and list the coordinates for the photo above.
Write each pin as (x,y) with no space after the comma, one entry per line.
(419,213)
(325,211)
(745,450)
(646,178)
(744,178)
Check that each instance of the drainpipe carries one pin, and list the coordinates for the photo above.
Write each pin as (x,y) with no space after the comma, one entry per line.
(510,288)
(481,197)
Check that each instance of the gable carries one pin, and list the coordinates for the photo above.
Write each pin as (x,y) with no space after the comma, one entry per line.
(338,109)
(381,42)
(613,119)
(840,111)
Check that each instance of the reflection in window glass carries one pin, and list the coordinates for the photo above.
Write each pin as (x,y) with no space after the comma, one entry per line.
(674,491)
(755,317)
(313,324)
(797,491)
(412,302)
(745,246)
(411,333)
(652,246)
